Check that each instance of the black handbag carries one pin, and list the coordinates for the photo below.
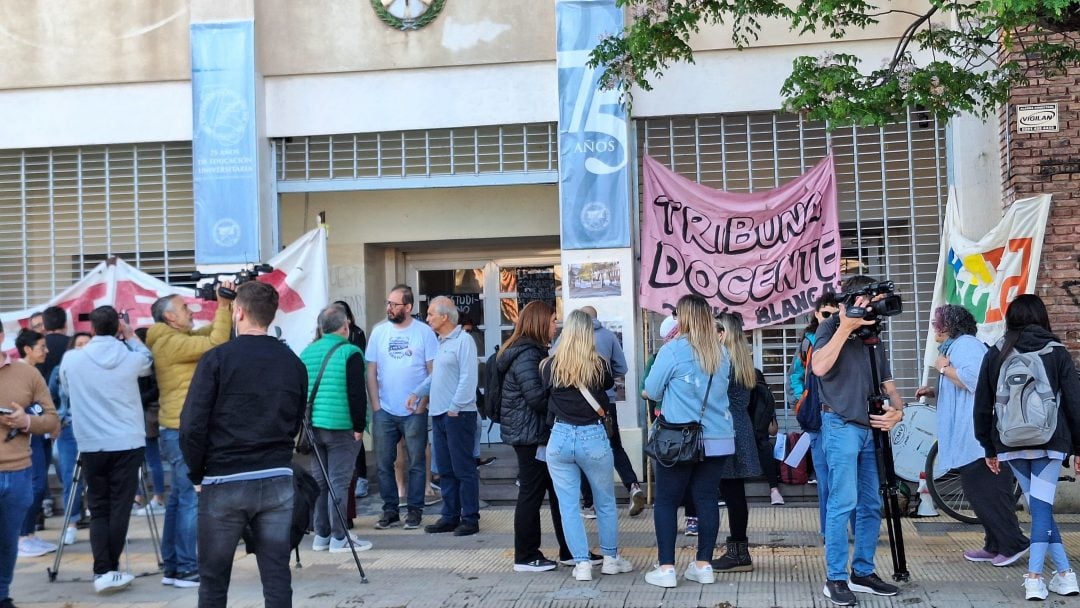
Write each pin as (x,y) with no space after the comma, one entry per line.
(605,416)
(670,444)
(303,445)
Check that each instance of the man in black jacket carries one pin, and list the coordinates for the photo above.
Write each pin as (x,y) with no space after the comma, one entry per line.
(243,410)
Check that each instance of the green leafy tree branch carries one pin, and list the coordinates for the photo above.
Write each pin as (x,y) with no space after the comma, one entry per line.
(952,57)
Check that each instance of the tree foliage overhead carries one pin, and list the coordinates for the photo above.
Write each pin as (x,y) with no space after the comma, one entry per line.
(953,56)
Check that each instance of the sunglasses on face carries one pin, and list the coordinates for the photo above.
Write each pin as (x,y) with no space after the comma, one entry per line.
(825,314)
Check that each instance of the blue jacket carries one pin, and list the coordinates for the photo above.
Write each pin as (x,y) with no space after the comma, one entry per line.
(677,378)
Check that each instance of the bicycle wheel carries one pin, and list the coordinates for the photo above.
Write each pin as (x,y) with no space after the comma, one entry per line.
(947,492)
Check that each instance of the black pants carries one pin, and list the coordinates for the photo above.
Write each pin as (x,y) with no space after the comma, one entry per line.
(733,492)
(768,463)
(225,509)
(111,479)
(535,482)
(992,500)
(622,463)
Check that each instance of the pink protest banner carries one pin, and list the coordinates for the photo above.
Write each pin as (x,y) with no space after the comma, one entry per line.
(766,256)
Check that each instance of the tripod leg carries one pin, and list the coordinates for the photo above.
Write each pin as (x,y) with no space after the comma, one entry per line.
(69,506)
(151,517)
(333,496)
(890,501)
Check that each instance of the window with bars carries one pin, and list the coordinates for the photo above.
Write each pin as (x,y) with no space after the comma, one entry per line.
(63,210)
(891,187)
(437,152)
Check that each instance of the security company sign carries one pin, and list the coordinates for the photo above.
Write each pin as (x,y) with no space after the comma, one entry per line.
(1037,118)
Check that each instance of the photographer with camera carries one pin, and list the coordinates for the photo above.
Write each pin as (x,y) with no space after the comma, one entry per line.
(177,350)
(103,381)
(845,380)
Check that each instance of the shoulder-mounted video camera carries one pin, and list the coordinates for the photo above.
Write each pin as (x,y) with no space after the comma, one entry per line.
(209,291)
(889,306)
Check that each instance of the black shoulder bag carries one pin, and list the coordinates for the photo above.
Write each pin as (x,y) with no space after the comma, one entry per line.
(671,444)
(303,445)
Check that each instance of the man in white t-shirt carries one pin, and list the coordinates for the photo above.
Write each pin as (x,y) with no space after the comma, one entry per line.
(400,355)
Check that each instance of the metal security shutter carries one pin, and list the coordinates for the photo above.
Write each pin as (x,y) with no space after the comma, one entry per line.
(63,210)
(892,190)
(488,150)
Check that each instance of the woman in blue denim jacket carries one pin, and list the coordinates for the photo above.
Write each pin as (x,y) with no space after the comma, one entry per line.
(691,374)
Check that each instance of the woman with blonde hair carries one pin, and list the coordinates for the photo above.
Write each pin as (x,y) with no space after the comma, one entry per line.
(745,463)
(577,379)
(691,374)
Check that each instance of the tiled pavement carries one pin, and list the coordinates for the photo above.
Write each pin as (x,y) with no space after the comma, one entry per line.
(412,569)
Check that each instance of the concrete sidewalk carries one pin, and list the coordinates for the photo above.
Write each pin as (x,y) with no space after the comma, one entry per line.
(413,569)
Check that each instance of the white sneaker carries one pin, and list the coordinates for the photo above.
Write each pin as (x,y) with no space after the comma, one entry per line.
(616,565)
(662,578)
(320,543)
(775,497)
(1034,589)
(589,513)
(112,581)
(342,546)
(44,544)
(1064,583)
(70,536)
(28,548)
(583,571)
(705,575)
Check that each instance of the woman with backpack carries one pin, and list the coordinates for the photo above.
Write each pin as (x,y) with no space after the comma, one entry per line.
(578,379)
(691,375)
(991,496)
(1005,427)
(800,379)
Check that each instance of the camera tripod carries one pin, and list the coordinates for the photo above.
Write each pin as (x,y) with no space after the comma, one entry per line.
(888,483)
(309,432)
(151,522)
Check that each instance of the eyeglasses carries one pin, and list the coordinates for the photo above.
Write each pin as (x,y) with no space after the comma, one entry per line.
(390,304)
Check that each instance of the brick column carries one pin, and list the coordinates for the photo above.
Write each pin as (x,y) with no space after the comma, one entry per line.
(1050,163)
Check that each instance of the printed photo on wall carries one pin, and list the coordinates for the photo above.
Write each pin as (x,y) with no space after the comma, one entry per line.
(595,280)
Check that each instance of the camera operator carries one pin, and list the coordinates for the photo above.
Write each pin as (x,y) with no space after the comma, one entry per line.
(842,365)
(177,350)
(102,379)
(20,386)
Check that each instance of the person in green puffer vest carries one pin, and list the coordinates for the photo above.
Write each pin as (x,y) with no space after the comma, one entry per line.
(338,417)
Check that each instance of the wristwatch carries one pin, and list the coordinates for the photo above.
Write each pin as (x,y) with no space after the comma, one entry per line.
(941,370)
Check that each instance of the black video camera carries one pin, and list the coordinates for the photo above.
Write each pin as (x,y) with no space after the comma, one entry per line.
(889,306)
(209,291)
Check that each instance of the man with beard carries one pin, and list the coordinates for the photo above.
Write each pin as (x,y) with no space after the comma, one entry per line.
(400,355)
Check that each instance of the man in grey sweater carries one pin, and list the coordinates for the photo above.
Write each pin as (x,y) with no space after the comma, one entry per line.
(452,389)
(102,380)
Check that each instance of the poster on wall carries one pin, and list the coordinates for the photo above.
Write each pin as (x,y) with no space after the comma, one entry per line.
(225,159)
(595,280)
(984,276)
(766,256)
(594,195)
(535,283)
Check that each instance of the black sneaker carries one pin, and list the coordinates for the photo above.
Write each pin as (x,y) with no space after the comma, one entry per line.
(186,579)
(388,520)
(871,583)
(537,565)
(412,520)
(466,529)
(594,558)
(440,526)
(483,462)
(839,594)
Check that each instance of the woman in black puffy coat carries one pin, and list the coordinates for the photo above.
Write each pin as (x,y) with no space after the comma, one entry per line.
(523,424)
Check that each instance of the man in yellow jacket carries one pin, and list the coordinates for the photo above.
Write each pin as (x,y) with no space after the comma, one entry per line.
(177,350)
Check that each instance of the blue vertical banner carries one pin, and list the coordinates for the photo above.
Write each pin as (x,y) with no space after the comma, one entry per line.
(225,156)
(593,133)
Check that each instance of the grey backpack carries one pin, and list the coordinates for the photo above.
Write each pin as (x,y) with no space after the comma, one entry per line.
(1026,407)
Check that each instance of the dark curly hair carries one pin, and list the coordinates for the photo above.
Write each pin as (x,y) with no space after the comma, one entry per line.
(954,320)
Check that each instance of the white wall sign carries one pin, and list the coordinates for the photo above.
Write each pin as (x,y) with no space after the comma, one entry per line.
(1037,118)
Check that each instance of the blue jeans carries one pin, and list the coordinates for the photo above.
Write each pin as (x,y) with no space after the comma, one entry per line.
(40,455)
(16,492)
(459,480)
(338,451)
(179,545)
(571,451)
(157,472)
(224,511)
(389,430)
(1045,537)
(850,455)
(67,453)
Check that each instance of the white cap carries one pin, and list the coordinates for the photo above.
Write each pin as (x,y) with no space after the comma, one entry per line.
(669,326)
